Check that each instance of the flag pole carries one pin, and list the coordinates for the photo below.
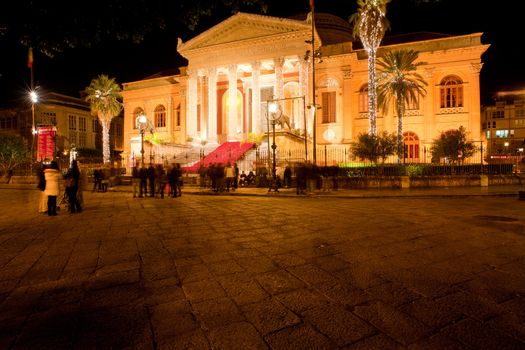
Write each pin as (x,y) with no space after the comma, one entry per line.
(314,104)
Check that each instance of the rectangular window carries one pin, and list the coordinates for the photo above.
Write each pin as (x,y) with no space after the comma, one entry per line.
(520,112)
(81,123)
(82,139)
(502,133)
(328,107)
(72,122)
(498,114)
(72,137)
(488,134)
(178,117)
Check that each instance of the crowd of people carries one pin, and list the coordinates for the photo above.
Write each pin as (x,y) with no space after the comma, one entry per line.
(154,180)
(220,178)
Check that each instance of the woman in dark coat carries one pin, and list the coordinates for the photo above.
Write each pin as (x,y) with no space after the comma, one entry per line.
(72,181)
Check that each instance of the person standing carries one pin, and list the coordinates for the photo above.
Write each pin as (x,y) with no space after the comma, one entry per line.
(42,203)
(135,181)
(52,176)
(229,173)
(151,180)
(72,179)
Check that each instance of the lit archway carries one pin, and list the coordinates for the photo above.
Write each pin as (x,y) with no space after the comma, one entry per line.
(225,111)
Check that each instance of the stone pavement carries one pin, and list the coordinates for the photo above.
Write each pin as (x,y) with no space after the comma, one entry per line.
(419,271)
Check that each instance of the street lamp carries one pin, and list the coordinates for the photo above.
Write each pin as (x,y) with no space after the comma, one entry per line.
(33,96)
(142,124)
(273,108)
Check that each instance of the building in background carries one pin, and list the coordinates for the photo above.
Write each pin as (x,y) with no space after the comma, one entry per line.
(237,66)
(67,119)
(503,124)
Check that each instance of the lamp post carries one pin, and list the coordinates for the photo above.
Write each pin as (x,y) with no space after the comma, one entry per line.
(142,123)
(33,96)
(272,110)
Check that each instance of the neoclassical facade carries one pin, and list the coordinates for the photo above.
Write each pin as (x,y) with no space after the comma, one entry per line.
(239,65)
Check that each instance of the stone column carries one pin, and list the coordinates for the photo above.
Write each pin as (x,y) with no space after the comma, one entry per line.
(256,97)
(191,119)
(303,90)
(212,105)
(279,80)
(232,99)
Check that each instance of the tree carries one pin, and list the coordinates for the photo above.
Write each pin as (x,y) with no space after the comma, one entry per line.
(399,81)
(13,152)
(103,94)
(374,147)
(370,25)
(50,27)
(453,146)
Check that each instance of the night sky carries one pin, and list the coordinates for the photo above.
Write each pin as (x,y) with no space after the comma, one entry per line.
(72,70)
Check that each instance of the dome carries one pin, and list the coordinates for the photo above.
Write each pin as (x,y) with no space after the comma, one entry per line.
(331,28)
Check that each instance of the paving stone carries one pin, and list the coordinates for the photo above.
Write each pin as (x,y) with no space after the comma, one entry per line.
(242,289)
(312,275)
(203,290)
(195,340)
(172,319)
(279,282)
(340,325)
(298,337)
(392,293)
(236,336)
(434,313)
(217,312)
(301,299)
(399,326)
(478,336)
(269,316)
(344,294)
(224,267)
(379,341)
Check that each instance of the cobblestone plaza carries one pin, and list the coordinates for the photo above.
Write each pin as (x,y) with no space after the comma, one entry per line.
(263,272)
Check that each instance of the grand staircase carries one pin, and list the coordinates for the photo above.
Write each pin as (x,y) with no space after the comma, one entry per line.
(228,152)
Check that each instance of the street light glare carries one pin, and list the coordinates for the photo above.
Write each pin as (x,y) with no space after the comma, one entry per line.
(34,96)
(143,119)
(272,107)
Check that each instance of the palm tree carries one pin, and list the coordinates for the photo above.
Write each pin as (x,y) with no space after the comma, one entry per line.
(370,25)
(399,81)
(104,94)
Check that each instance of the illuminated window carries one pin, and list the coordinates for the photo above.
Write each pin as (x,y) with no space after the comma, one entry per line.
(488,134)
(138,111)
(502,133)
(363,99)
(451,92)
(328,107)
(411,147)
(160,116)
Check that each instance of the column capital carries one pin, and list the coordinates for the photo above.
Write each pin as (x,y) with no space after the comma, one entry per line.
(278,62)
(256,65)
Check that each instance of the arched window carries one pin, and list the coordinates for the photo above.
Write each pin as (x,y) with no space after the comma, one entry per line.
(451,92)
(363,99)
(160,116)
(136,113)
(411,147)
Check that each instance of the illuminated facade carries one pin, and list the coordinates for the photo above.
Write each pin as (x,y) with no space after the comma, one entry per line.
(235,67)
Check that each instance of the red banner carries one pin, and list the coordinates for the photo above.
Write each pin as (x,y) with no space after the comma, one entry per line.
(46,143)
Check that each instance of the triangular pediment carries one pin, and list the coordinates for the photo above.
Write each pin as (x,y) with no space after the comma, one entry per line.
(242,27)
